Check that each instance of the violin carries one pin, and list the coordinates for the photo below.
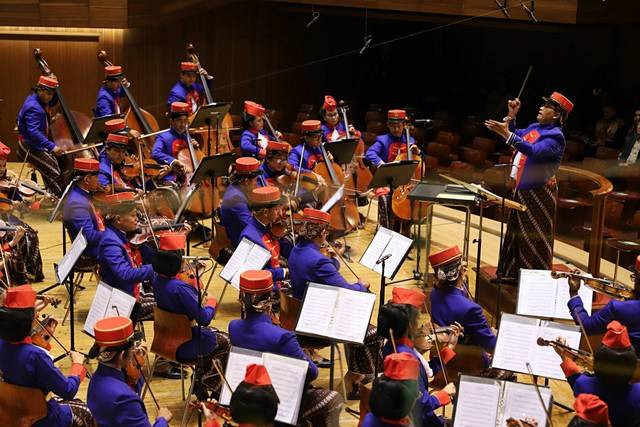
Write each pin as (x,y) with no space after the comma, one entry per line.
(133,369)
(215,407)
(43,331)
(144,233)
(580,357)
(331,250)
(424,340)
(607,287)
(131,167)
(192,274)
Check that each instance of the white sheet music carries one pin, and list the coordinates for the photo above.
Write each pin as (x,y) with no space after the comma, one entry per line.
(386,242)
(70,258)
(522,401)
(287,375)
(247,256)
(477,402)
(336,313)
(517,345)
(541,295)
(104,301)
(333,199)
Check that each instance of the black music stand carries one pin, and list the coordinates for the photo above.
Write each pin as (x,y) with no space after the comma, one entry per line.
(393,175)
(342,150)
(97,131)
(212,167)
(209,115)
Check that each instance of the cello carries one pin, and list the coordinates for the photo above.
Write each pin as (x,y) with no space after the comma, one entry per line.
(362,174)
(218,140)
(67,129)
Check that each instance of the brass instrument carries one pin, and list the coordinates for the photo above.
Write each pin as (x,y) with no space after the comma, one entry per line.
(607,287)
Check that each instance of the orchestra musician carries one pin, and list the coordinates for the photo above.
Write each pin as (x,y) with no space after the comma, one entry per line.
(111,162)
(174,295)
(23,363)
(538,152)
(275,163)
(111,92)
(332,127)
(112,401)
(254,402)
(254,138)
(308,264)
(614,363)
(169,143)
(400,320)
(386,149)
(625,312)
(79,213)
(34,144)
(310,144)
(591,411)
(187,89)
(394,393)
(257,332)
(267,206)
(235,213)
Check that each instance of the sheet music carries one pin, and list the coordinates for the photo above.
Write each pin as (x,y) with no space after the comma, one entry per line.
(123,303)
(516,336)
(477,402)
(386,242)
(545,361)
(333,199)
(288,376)
(98,306)
(352,315)
(522,401)
(316,313)
(563,297)
(454,196)
(257,258)
(239,359)
(237,259)
(70,258)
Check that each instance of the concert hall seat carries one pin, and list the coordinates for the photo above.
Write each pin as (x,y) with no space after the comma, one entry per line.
(463,171)
(442,152)
(301,117)
(237,120)
(379,128)
(449,138)
(368,138)
(375,116)
(443,120)
(595,165)
(276,117)
(484,144)
(307,108)
(504,159)
(292,138)
(606,153)
(472,127)
(476,158)
(418,134)
(573,151)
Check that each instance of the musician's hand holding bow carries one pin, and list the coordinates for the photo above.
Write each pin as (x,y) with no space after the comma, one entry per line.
(563,341)
(20,232)
(177,166)
(450,389)
(452,339)
(57,151)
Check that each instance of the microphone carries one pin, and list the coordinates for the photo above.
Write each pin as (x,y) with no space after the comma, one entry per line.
(367,42)
(314,18)
(425,121)
(383,259)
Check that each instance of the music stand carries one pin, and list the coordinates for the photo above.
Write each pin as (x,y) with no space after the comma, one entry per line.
(342,150)
(207,115)
(97,130)
(393,175)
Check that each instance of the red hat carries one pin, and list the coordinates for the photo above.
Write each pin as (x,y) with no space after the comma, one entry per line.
(20,297)
(247,165)
(122,197)
(445,257)
(265,196)
(48,82)
(86,165)
(278,146)
(4,151)
(401,366)
(256,282)
(257,375)
(329,103)
(589,407)
(253,108)
(638,263)
(112,71)
(408,296)
(311,126)
(180,108)
(315,215)
(114,125)
(395,115)
(172,241)
(561,101)
(113,331)
(188,66)
(616,336)
(117,140)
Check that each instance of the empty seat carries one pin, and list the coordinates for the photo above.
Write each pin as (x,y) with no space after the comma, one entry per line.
(375,116)
(484,144)
(379,128)
(449,138)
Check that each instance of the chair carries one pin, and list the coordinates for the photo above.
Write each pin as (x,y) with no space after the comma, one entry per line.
(21,406)
(379,128)
(449,138)
(484,144)
(374,116)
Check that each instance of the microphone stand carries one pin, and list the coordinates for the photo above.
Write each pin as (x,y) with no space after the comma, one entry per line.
(383,284)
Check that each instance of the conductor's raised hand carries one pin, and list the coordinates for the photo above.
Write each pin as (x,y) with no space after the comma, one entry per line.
(501,128)
(514,107)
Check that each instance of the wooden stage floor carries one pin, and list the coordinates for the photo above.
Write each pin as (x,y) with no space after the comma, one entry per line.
(447,230)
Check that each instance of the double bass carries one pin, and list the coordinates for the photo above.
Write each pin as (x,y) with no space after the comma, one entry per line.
(361,173)
(67,129)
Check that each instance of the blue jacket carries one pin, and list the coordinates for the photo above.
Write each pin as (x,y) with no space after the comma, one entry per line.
(29,366)
(114,403)
(327,131)
(452,305)
(625,312)
(426,403)
(175,296)
(268,176)
(249,143)
(259,234)
(179,93)
(79,213)
(116,267)
(234,213)
(167,144)
(386,148)
(258,333)
(33,124)
(544,147)
(308,264)
(106,101)
(104,173)
(311,157)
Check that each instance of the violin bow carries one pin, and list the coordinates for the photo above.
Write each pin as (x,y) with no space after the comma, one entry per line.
(4,262)
(393,340)
(218,367)
(153,396)
(51,334)
(295,190)
(535,384)
(435,341)
(146,215)
(584,331)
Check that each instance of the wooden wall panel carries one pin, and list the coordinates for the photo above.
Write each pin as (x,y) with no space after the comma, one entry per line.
(65,13)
